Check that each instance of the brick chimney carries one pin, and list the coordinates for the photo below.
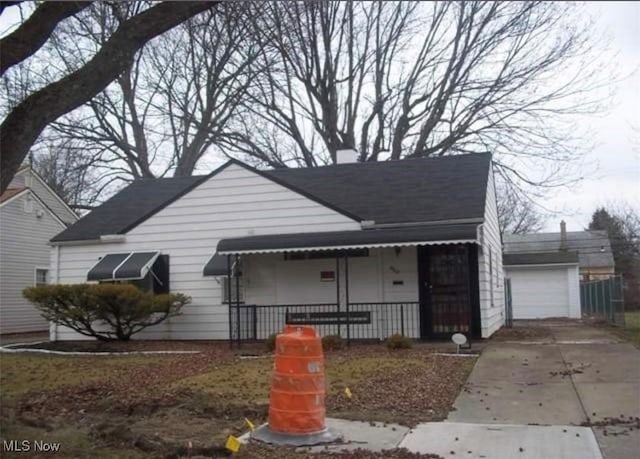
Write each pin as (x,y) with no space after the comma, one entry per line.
(563,235)
(346,156)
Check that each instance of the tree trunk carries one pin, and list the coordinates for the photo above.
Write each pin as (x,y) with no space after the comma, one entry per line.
(30,36)
(23,125)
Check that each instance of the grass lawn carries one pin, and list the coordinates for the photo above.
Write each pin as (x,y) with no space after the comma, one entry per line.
(631,329)
(156,406)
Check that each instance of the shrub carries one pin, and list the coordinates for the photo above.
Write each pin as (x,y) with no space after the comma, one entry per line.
(107,312)
(332,343)
(271,342)
(398,341)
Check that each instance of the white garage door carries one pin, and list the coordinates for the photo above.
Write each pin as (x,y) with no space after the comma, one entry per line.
(539,292)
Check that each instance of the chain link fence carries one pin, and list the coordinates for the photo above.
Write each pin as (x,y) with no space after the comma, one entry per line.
(603,298)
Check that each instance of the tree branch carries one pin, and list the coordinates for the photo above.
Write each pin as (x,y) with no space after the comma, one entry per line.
(34,32)
(24,124)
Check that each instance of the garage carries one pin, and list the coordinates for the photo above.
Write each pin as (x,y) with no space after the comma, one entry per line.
(543,284)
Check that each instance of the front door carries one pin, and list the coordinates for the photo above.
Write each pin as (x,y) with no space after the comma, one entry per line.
(446,295)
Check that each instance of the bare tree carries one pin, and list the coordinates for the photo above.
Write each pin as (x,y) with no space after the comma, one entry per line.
(24,123)
(622,223)
(68,170)
(27,39)
(517,212)
(406,79)
(390,79)
(175,99)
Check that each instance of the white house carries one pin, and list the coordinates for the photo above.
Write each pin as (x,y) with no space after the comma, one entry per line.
(31,213)
(361,249)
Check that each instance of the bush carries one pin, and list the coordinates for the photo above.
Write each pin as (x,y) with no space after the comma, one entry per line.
(271,342)
(107,312)
(398,341)
(332,343)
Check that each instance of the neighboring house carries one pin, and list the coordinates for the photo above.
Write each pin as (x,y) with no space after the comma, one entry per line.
(31,213)
(546,269)
(408,246)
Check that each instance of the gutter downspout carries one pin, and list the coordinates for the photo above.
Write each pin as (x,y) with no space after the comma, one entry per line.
(53,329)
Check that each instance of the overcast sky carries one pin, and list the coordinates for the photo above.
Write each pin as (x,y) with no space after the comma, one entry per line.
(613,172)
(616,157)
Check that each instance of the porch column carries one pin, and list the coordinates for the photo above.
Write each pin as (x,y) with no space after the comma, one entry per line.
(229,301)
(338,291)
(236,269)
(346,290)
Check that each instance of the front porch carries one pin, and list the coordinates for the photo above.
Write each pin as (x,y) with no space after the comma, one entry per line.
(426,290)
(356,321)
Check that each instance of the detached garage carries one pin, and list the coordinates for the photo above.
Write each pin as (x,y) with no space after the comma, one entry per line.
(543,284)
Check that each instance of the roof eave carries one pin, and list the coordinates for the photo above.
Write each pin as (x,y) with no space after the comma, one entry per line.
(78,242)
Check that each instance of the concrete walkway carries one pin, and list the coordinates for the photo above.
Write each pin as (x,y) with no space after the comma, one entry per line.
(528,400)
(579,375)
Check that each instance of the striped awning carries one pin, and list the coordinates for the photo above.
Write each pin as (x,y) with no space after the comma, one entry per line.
(216,266)
(123,266)
(339,240)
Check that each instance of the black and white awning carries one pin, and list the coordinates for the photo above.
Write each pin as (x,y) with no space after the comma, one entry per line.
(344,240)
(123,266)
(216,266)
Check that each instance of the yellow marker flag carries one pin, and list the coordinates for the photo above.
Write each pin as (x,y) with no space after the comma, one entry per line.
(250,424)
(347,392)
(232,444)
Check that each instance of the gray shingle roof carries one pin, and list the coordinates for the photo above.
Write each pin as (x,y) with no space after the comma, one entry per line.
(407,191)
(593,247)
(414,190)
(128,208)
(544,258)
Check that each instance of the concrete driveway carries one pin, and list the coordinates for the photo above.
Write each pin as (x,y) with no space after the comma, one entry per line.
(577,375)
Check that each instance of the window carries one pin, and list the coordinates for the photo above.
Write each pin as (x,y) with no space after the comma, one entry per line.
(225,289)
(237,271)
(491,274)
(42,276)
(146,270)
(324,254)
(497,272)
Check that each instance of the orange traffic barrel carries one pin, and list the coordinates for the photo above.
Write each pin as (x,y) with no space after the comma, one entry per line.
(297,398)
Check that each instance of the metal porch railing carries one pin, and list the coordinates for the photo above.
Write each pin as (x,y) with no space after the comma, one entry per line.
(358,321)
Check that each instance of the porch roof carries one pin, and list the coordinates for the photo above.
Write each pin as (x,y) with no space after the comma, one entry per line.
(366,238)
(542,258)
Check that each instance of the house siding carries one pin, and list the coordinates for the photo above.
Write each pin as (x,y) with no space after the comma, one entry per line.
(491,306)
(575,310)
(596,273)
(235,202)
(51,200)
(23,248)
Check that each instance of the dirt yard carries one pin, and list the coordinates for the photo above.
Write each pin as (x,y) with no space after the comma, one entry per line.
(187,405)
